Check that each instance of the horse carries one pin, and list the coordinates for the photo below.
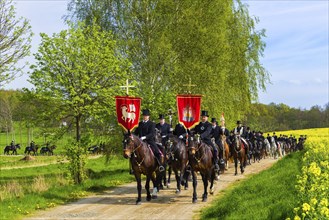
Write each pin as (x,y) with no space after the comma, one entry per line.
(49,150)
(201,159)
(257,150)
(239,153)
(267,147)
(275,149)
(11,148)
(177,158)
(143,161)
(226,153)
(161,145)
(30,149)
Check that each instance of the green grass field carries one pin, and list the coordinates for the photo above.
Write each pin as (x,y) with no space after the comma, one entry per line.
(25,190)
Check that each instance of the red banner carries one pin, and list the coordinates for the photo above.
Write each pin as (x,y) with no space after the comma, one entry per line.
(188,108)
(128,109)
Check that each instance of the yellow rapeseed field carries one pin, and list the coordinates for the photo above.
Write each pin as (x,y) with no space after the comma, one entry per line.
(313,183)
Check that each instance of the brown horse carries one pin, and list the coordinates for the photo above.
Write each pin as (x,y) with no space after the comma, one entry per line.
(201,159)
(177,158)
(239,153)
(144,162)
(226,153)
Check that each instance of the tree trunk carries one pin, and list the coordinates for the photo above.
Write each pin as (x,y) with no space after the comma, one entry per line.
(77,121)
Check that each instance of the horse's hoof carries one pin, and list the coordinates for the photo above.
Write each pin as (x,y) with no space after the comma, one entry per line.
(148,198)
(138,202)
(194,200)
(185,188)
(204,199)
(168,185)
(212,191)
(235,174)
(161,187)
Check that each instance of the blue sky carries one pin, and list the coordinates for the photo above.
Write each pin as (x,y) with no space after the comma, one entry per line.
(296,54)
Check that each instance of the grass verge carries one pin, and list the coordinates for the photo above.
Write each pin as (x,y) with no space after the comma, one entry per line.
(44,187)
(269,195)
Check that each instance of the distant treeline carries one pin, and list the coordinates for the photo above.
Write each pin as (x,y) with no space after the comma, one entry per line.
(280,117)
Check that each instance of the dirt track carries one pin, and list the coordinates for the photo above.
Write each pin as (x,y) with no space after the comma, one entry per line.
(119,203)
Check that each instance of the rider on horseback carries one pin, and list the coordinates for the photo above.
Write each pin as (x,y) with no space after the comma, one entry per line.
(215,133)
(12,144)
(204,128)
(146,131)
(239,130)
(164,129)
(180,132)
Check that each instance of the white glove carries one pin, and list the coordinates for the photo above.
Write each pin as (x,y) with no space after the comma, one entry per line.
(171,129)
(143,138)
(163,136)
(180,137)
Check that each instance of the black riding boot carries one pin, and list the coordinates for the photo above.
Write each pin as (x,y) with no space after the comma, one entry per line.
(161,167)
(216,164)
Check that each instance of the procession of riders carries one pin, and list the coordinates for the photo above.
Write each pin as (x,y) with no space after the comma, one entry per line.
(215,136)
(31,149)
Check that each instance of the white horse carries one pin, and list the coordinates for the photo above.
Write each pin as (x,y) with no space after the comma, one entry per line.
(127,115)
(267,147)
(274,148)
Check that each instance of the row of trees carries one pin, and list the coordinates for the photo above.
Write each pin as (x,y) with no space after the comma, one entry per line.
(17,106)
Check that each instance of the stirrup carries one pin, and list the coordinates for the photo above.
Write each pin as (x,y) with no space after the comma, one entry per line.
(161,168)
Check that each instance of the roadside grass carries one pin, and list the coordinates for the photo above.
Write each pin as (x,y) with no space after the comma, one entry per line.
(270,194)
(23,191)
(15,160)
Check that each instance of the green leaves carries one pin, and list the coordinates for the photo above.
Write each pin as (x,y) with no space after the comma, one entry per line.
(82,70)
(15,41)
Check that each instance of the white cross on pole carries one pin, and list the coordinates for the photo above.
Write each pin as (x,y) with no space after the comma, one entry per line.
(127,86)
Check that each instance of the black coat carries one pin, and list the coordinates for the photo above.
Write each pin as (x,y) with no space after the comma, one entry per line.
(180,130)
(146,129)
(164,129)
(204,129)
(215,133)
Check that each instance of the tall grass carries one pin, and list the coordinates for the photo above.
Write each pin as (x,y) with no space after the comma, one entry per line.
(268,195)
(48,186)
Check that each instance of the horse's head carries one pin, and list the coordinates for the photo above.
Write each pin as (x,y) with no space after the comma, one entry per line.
(236,142)
(158,138)
(193,143)
(18,146)
(169,147)
(130,142)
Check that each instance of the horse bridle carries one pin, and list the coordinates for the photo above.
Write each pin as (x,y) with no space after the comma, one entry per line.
(237,146)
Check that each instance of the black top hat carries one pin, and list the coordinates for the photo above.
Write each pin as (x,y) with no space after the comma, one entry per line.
(146,112)
(213,120)
(204,113)
(238,122)
(161,116)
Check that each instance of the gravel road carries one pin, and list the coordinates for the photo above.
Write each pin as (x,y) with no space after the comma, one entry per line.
(119,203)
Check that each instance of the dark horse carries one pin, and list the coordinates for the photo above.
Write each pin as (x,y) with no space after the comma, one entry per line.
(201,159)
(177,158)
(30,149)
(11,148)
(239,153)
(47,149)
(144,162)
